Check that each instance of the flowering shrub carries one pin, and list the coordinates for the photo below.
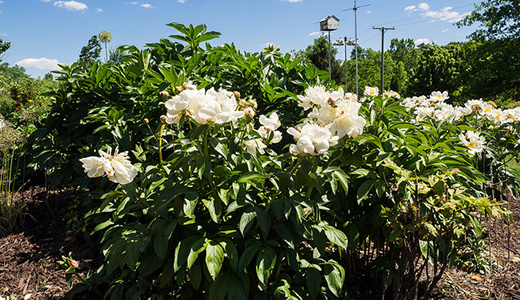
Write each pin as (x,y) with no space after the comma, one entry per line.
(237,187)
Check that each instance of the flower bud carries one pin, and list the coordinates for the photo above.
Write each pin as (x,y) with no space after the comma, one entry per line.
(164,94)
(146,121)
(249,112)
(237,94)
(252,103)
(163,119)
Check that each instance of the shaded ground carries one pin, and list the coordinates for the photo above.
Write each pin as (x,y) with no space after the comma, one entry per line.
(29,258)
(29,267)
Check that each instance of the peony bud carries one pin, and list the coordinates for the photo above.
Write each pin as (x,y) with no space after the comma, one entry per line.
(164,95)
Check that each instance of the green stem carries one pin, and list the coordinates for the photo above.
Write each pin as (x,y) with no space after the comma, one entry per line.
(160,142)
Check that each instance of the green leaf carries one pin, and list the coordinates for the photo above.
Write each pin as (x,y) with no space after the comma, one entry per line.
(246,221)
(196,248)
(190,203)
(227,284)
(334,276)
(265,263)
(342,177)
(335,236)
(214,259)
(103,225)
(161,241)
(263,221)
(195,274)
(181,252)
(285,234)
(247,256)
(251,178)
(363,190)
(313,277)
(214,207)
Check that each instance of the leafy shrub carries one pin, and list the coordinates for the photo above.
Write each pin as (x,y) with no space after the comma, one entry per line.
(217,212)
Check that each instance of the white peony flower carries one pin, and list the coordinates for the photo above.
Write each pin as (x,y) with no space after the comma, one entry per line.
(371,91)
(272,122)
(314,95)
(438,96)
(473,141)
(252,146)
(205,107)
(311,139)
(347,121)
(117,167)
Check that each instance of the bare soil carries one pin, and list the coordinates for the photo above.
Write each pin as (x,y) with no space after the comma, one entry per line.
(30,269)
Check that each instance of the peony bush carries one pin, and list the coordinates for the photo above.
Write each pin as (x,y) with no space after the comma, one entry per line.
(244,176)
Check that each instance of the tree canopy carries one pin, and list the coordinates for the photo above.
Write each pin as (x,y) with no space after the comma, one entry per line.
(497,19)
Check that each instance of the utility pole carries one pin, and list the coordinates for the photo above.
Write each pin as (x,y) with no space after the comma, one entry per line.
(383,30)
(355,8)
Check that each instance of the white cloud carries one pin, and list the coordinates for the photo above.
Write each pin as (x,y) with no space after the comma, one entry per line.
(144,5)
(71,5)
(46,0)
(446,14)
(1,2)
(445,30)
(314,33)
(99,9)
(422,41)
(181,1)
(3,34)
(423,6)
(369,12)
(39,63)
(293,1)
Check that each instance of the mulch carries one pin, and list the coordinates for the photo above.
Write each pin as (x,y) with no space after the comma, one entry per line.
(29,267)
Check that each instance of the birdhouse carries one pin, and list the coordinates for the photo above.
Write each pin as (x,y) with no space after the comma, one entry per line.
(330,23)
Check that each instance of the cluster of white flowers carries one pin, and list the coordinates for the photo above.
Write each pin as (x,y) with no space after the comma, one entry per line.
(204,107)
(117,167)
(473,141)
(268,134)
(333,115)
(2,123)
(434,106)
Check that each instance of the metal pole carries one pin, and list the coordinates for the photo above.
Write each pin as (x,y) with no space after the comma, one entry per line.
(383,29)
(345,40)
(329,60)
(382,61)
(356,45)
(355,8)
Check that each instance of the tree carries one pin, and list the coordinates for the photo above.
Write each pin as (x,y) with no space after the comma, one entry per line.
(498,19)
(406,56)
(495,58)
(15,72)
(89,53)
(318,55)
(3,47)
(105,37)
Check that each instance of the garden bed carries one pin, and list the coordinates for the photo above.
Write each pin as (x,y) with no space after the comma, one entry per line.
(29,258)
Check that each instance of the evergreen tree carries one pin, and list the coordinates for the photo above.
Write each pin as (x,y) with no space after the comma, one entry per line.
(318,55)
(90,53)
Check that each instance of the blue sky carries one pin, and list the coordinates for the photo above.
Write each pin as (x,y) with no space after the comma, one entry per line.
(46,32)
